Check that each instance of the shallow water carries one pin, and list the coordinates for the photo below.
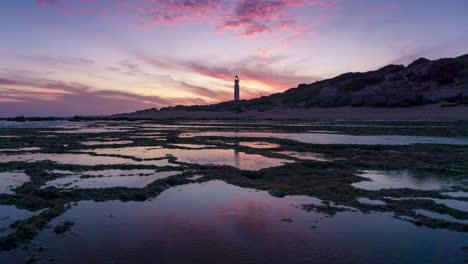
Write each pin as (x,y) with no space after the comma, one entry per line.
(106,173)
(88,130)
(455,204)
(400,179)
(22,149)
(193,146)
(108,142)
(259,145)
(440,216)
(369,201)
(36,124)
(229,157)
(457,194)
(150,137)
(304,155)
(81,159)
(10,214)
(324,138)
(150,133)
(11,180)
(216,222)
(129,181)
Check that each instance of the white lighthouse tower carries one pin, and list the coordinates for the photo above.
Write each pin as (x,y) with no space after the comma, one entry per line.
(236,88)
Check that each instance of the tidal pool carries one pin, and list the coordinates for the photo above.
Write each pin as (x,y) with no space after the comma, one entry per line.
(455,204)
(440,216)
(229,157)
(22,149)
(457,194)
(193,146)
(324,138)
(106,173)
(150,137)
(108,142)
(215,222)
(11,180)
(400,179)
(88,130)
(304,155)
(81,159)
(37,124)
(369,201)
(259,145)
(129,181)
(9,214)
(151,134)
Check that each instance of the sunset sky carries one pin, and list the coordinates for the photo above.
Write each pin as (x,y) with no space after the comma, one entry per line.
(93,57)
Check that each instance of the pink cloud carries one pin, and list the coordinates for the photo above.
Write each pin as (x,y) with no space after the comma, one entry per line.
(247,18)
(205,92)
(375,12)
(323,4)
(387,7)
(261,52)
(7,82)
(255,71)
(48,2)
(254,17)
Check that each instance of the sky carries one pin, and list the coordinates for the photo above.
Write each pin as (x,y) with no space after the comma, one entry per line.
(99,57)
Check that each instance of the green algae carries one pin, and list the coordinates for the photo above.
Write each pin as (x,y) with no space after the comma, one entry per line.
(330,181)
(63,227)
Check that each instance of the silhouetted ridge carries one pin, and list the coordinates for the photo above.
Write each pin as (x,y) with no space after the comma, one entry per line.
(422,82)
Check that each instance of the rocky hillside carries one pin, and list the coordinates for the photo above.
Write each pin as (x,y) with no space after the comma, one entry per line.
(420,83)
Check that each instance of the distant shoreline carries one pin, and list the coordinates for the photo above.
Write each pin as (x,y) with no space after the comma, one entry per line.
(432,112)
(426,112)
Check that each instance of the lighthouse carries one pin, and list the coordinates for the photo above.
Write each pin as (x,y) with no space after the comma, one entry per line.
(236,88)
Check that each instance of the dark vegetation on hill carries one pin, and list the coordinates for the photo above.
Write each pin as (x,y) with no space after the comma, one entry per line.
(422,82)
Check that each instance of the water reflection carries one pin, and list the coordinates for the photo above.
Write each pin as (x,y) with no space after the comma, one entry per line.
(11,180)
(230,157)
(321,138)
(193,146)
(88,130)
(22,149)
(305,155)
(108,142)
(399,179)
(457,194)
(129,181)
(9,214)
(260,145)
(81,159)
(440,216)
(216,222)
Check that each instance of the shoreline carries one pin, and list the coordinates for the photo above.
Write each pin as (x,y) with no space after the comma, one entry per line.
(431,112)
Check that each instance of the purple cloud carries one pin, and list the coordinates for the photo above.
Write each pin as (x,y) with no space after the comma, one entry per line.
(248,18)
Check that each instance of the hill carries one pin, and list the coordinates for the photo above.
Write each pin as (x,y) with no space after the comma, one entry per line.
(443,82)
